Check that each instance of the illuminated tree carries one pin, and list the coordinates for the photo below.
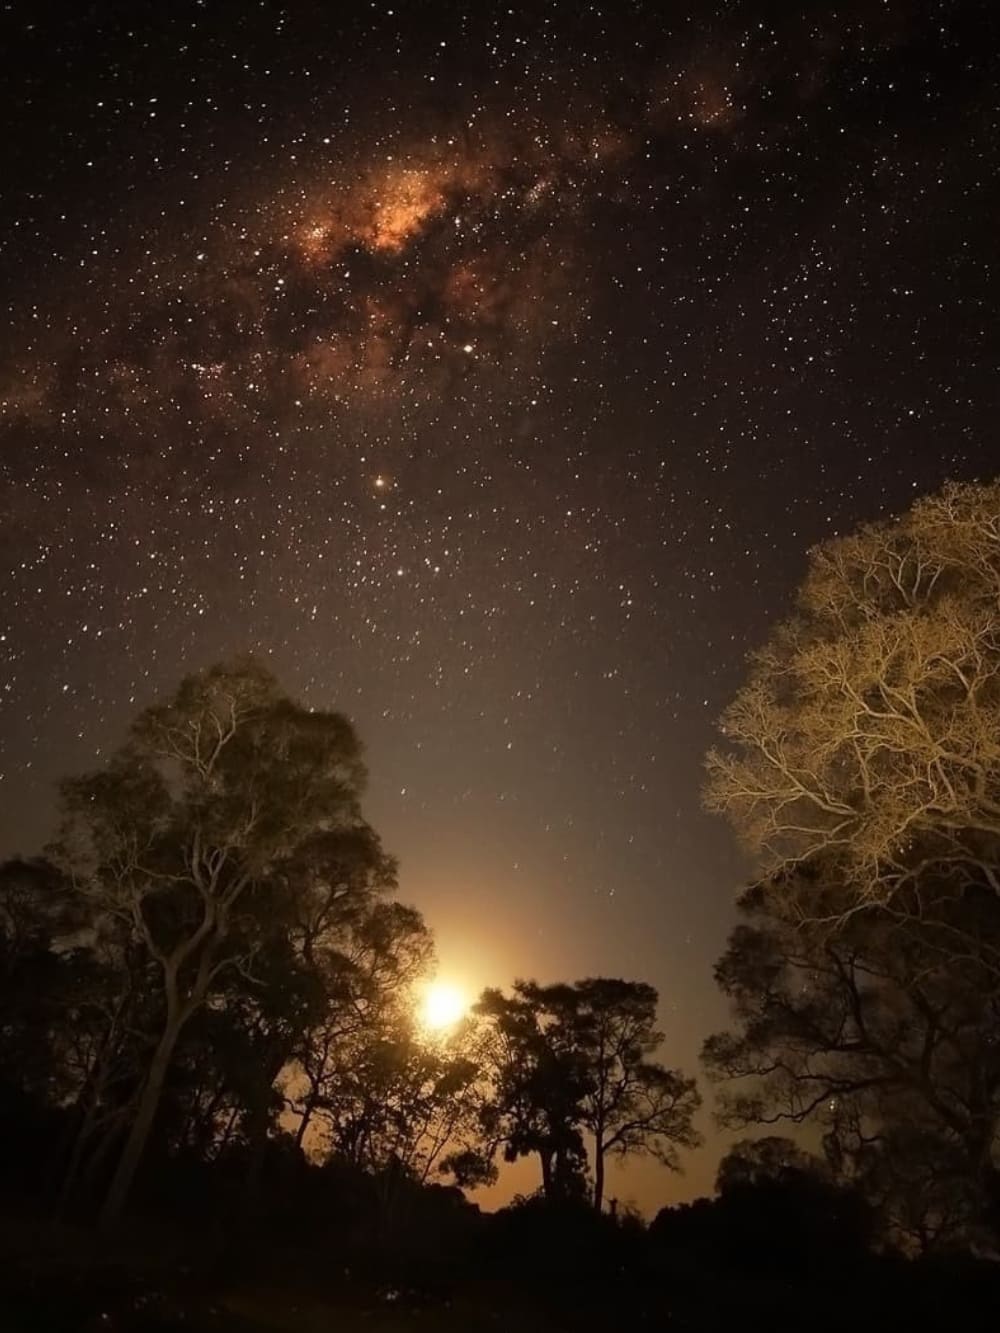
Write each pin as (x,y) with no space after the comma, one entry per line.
(869,729)
(861,767)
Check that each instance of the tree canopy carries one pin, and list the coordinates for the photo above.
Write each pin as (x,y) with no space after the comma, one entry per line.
(573,1063)
(228,822)
(869,728)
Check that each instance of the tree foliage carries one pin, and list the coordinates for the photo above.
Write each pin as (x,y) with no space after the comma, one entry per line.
(886,1037)
(862,768)
(572,1064)
(869,728)
(534,1105)
(227,831)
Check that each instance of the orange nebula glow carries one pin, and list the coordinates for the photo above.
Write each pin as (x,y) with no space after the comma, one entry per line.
(403,204)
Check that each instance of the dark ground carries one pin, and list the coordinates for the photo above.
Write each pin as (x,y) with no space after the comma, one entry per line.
(65,1280)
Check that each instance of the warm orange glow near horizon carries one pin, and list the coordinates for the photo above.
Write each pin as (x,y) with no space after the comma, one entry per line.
(443,1005)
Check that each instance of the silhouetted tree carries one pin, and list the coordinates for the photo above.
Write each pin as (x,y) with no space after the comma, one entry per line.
(779,1210)
(366,963)
(773,1158)
(632,1106)
(537,1088)
(397,1100)
(183,840)
(36,983)
(879,1032)
(574,1060)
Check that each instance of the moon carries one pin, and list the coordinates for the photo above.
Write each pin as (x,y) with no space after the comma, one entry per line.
(444,1004)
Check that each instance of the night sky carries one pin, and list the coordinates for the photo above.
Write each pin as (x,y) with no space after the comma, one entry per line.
(488,371)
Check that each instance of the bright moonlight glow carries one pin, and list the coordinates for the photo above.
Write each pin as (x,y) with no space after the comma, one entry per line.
(444,1005)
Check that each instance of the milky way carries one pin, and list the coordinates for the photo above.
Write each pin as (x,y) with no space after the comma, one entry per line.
(489,374)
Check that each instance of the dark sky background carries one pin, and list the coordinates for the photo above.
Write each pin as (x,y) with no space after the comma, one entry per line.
(489,371)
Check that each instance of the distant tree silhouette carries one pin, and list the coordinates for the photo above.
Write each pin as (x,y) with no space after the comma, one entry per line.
(779,1211)
(37,988)
(632,1106)
(398,1101)
(767,1160)
(571,1061)
(536,1102)
(366,966)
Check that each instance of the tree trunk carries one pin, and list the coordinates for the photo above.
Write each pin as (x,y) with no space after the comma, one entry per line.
(598,1174)
(307,1115)
(91,1170)
(135,1144)
(71,1172)
(546,1158)
(258,1122)
(201,1135)
(88,1101)
(227,1133)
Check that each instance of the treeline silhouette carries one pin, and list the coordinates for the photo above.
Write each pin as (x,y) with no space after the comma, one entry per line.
(218,1094)
(209,967)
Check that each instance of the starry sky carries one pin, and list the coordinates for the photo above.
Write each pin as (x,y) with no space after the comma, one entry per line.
(488,370)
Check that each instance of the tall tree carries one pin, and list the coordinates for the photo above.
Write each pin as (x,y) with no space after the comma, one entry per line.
(537,1088)
(184,837)
(861,767)
(632,1106)
(574,1061)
